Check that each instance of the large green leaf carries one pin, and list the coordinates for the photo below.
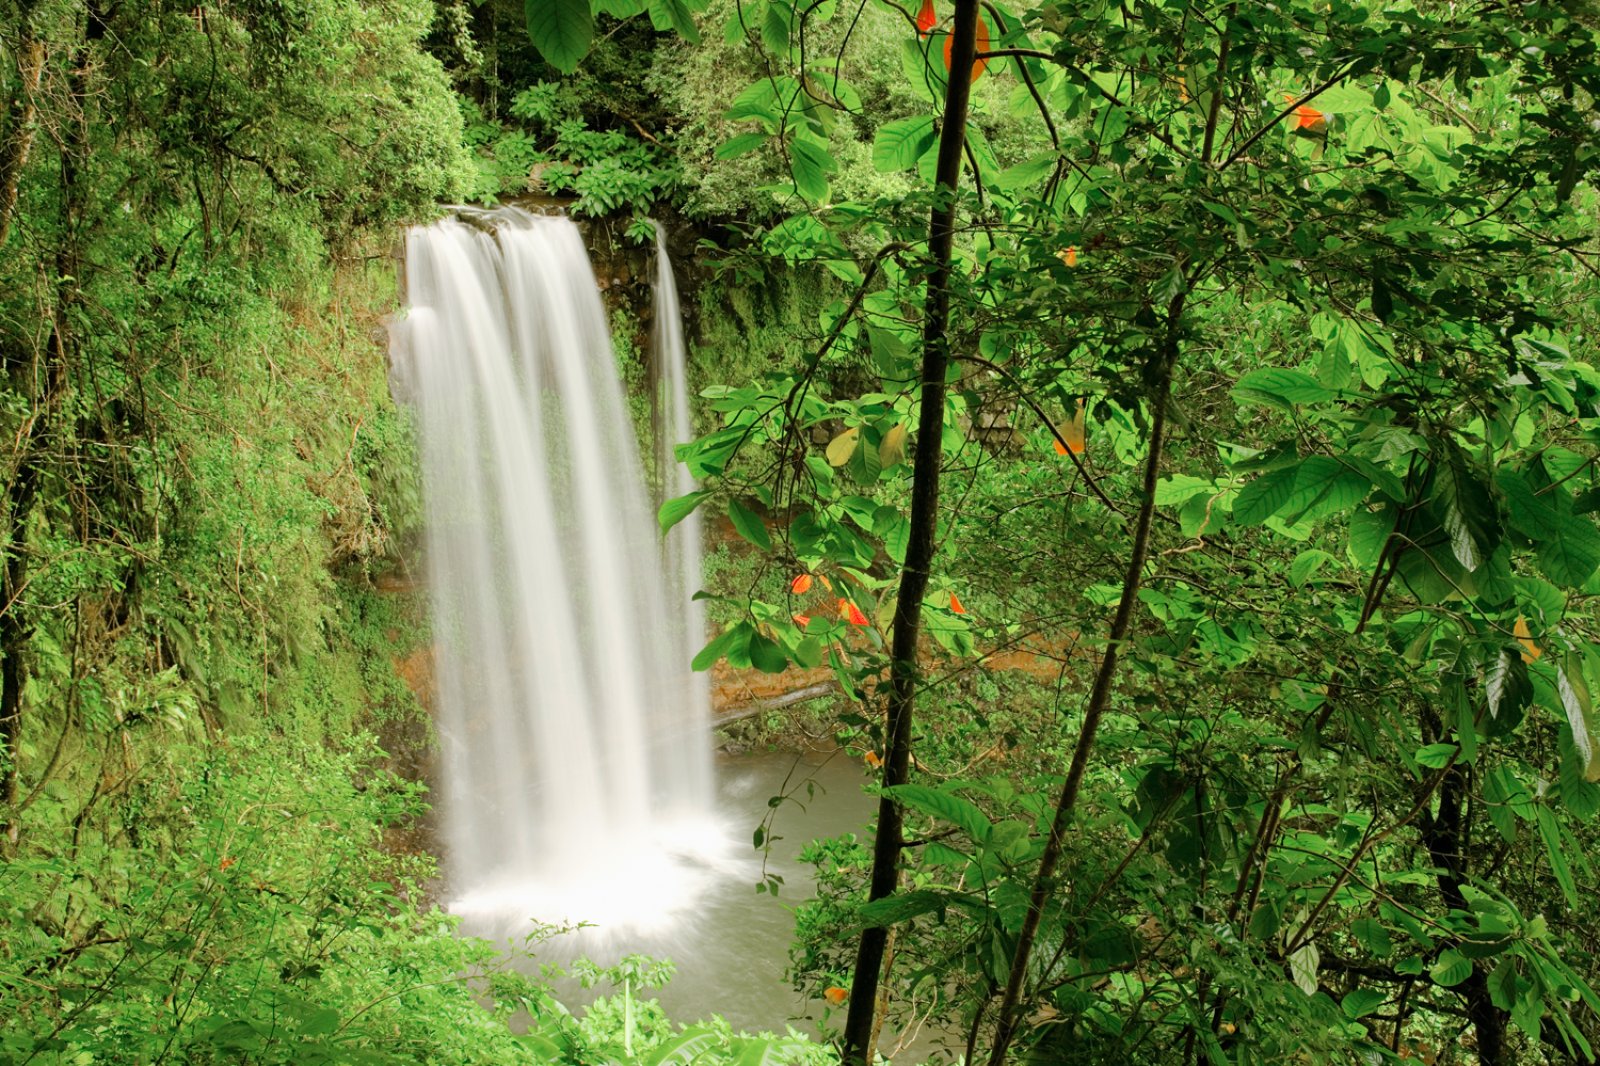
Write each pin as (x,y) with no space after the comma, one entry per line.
(670,15)
(678,508)
(899,144)
(1464,507)
(1573,688)
(1264,497)
(1277,387)
(561,30)
(1323,486)
(764,1051)
(811,163)
(684,1048)
(738,145)
(1571,554)
(945,805)
(749,525)
(735,640)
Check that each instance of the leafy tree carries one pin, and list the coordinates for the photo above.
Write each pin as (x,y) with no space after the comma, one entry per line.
(1301,267)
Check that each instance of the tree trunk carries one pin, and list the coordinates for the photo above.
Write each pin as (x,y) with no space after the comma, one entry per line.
(861,1020)
(1099,696)
(1445,835)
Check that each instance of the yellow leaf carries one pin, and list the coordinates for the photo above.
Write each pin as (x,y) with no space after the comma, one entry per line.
(1530,650)
(1072,433)
(892,448)
(842,447)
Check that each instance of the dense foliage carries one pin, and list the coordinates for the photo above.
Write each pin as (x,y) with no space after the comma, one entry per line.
(1310,279)
(1266,450)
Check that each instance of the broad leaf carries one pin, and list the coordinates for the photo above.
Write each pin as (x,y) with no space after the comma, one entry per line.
(1279,388)
(561,30)
(899,144)
(678,508)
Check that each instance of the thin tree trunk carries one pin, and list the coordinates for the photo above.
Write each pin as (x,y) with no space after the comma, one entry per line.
(861,1020)
(1445,835)
(1099,697)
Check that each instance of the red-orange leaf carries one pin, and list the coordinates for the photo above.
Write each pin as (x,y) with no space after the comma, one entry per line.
(836,995)
(926,18)
(983,46)
(955,604)
(1306,117)
(851,613)
(801,584)
(802,620)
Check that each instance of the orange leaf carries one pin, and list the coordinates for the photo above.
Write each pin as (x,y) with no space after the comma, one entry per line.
(871,759)
(851,613)
(1072,433)
(955,604)
(836,995)
(926,18)
(1069,255)
(983,46)
(1307,117)
(227,861)
(1531,651)
(802,620)
(800,585)
(825,582)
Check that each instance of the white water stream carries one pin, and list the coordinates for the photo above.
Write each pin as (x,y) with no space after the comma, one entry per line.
(576,774)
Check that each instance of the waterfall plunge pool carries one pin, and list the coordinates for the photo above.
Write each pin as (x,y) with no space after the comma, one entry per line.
(728,942)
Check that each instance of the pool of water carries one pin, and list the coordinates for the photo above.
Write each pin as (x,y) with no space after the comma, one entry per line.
(730,946)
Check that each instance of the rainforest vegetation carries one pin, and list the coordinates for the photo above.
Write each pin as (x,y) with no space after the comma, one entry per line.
(1171,428)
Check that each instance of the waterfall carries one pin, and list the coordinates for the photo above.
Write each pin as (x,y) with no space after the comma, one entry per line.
(575,777)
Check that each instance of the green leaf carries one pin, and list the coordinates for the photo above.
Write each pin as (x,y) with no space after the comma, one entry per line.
(762,1051)
(1362,1002)
(1573,687)
(1497,804)
(810,164)
(766,655)
(902,907)
(1263,497)
(737,146)
(899,144)
(684,1048)
(736,638)
(1437,756)
(561,30)
(749,525)
(952,808)
(1550,834)
(1323,486)
(670,15)
(1015,177)
(1451,968)
(678,508)
(1307,563)
(1303,967)
(1465,509)
(1371,934)
(1276,387)
(1369,532)
(1572,553)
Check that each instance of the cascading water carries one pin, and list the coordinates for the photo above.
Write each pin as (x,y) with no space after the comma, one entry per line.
(575,748)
